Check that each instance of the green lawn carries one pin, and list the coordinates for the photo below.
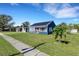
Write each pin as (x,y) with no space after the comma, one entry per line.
(51,47)
(6,49)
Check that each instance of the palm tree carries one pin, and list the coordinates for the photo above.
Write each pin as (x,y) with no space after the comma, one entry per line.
(60,30)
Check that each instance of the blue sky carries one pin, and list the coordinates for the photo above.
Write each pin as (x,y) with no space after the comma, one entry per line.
(36,12)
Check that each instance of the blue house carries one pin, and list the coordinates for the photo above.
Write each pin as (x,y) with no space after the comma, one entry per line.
(42,27)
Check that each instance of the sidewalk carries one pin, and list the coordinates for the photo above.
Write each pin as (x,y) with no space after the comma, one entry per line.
(20,46)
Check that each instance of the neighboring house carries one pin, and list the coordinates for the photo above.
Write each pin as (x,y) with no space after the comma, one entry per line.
(42,27)
(22,29)
(73,30)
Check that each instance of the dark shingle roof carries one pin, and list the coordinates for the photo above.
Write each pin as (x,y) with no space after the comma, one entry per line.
(41,23)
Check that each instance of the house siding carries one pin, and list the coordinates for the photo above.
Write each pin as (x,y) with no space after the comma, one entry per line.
(32,29)
(48,29)
(51,25)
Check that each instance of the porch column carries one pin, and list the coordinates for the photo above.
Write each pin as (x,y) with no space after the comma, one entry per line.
(23,29)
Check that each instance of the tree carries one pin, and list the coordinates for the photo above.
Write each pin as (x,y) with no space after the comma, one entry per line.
(5,22)
(70,26)
(78,27)
(26,24)
(73,26)
(60,30)
(11,27)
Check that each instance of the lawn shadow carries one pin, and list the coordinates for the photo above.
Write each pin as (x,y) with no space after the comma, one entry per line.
(24,49)
(32,48)
(63,41)
(15,54)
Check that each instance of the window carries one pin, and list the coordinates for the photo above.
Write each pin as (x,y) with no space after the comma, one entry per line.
(50,29)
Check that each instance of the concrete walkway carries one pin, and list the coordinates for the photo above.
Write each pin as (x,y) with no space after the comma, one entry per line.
(20,46)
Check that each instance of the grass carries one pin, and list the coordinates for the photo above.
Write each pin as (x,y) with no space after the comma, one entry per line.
(51,47)
(6,49)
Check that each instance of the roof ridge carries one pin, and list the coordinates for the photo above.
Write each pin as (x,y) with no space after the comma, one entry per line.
(41,23)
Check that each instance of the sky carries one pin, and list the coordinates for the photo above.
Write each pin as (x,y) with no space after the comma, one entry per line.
(40,12)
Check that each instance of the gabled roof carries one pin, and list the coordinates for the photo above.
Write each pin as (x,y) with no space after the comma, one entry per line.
(41,23)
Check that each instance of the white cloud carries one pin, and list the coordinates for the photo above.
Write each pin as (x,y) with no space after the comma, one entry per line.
(50,8)
(61,10)
(66,13)
(14,4)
